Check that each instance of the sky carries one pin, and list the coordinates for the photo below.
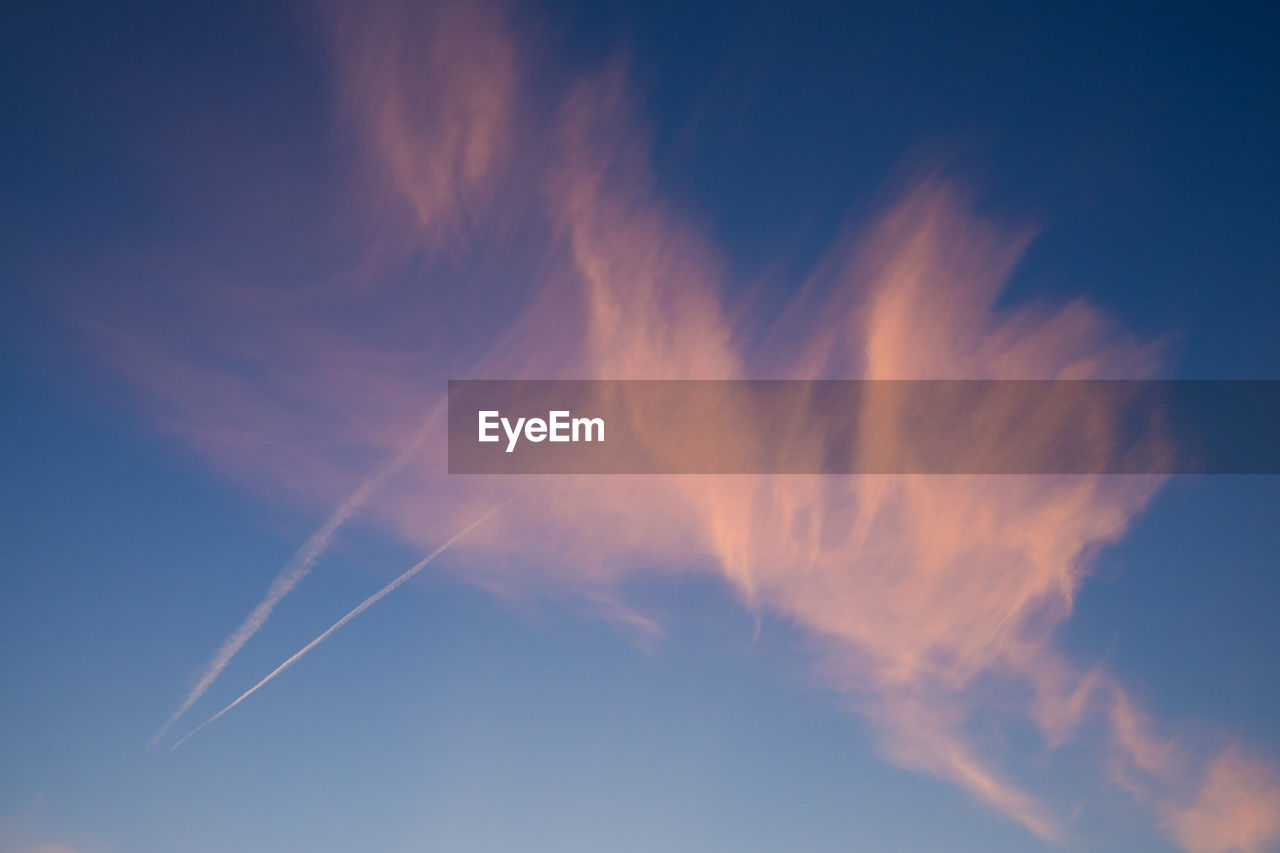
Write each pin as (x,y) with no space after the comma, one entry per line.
(245,245)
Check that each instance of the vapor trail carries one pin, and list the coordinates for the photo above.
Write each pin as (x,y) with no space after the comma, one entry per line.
(363,606)
(298,567)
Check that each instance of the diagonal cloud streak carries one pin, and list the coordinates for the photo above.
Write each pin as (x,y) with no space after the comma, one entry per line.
(298,567)
(360,608)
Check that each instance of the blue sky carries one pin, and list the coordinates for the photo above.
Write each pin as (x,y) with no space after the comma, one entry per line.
(196,183)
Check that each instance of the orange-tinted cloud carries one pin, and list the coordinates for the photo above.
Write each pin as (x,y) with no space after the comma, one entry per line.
(1236,810)
(928,597)
(432,89)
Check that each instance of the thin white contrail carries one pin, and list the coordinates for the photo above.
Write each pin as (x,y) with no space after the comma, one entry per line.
(298,567)
(362,607)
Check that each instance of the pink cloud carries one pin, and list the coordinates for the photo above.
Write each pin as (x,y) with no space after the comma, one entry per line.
(555,257)
(1236,810)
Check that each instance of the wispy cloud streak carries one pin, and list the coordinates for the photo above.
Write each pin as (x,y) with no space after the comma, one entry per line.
(298,567)
(336,626)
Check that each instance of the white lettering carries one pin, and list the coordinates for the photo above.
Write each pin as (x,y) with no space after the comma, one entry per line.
(587,424)
(512,434)
(488,422)
(559,427)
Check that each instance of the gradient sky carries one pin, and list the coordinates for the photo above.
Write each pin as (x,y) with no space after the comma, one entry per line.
(238,241)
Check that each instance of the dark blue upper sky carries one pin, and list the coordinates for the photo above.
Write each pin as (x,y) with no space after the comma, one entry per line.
(1141,138)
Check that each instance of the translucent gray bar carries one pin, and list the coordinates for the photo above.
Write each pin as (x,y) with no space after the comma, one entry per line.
(866,427)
